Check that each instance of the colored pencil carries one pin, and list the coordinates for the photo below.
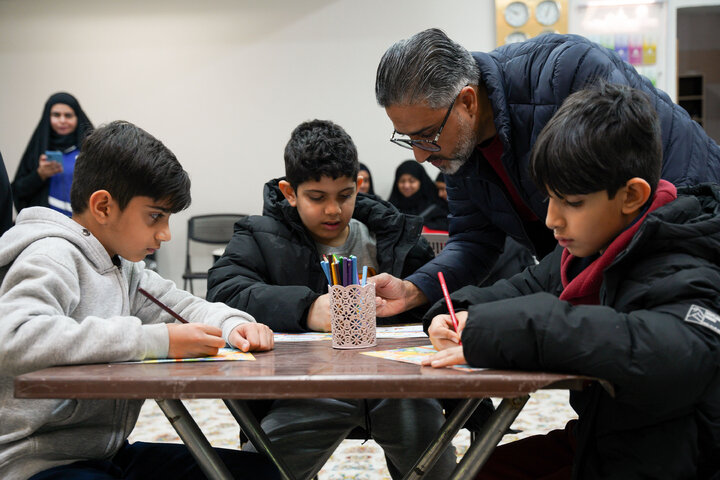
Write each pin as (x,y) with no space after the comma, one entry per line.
(446,294)
(162,305)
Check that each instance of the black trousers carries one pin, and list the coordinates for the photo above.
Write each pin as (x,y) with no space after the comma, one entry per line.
(157,461)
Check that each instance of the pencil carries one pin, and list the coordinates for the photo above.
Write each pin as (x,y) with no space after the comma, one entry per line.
(326,268)
(446,294)
(162,305)
(354,277)
(334,272)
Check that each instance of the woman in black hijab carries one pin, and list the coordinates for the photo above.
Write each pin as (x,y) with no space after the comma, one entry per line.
(40,181)
(367,185)
(415,193)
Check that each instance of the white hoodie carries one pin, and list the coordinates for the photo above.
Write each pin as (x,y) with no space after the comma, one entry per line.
(63,301)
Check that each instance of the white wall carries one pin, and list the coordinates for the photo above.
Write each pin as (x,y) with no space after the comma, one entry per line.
(220,82)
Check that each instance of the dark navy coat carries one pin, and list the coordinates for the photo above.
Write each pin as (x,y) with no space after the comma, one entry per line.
(526,83)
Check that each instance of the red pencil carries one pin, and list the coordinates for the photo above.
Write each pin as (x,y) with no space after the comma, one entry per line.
(162,305)
(446,294)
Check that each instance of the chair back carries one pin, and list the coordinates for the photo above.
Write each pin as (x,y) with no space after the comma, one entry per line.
(215,228)
(437,241)
(210,230)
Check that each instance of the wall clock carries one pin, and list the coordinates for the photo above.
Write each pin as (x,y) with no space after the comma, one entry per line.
(547,12)
(518,20)
(516,14)
(515,37)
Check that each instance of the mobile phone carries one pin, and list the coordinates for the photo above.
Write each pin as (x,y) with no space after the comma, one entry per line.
(54,156)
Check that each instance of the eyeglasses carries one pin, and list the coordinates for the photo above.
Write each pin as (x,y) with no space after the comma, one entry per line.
(424,143)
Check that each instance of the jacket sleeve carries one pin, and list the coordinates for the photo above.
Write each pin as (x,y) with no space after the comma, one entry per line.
(537,278)
(243,279)
(417,256)
(42,324)
(191,308)
(473,247)
(654,356)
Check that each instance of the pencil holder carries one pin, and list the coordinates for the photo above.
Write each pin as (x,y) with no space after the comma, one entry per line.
(352,316)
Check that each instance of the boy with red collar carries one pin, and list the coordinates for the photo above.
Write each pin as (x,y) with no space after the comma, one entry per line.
(631,295)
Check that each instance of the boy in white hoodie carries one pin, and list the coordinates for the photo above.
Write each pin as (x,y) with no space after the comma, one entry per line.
(69,295)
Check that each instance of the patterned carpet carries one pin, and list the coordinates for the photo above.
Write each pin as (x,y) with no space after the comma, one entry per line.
(546,410)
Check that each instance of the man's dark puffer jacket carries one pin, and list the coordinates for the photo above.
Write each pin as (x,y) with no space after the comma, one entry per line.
(527,82)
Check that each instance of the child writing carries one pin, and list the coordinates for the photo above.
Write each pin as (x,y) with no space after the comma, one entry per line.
(630,295)
(271,268)
(69,295)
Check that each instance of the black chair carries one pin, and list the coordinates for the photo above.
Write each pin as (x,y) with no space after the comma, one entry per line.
(210,230)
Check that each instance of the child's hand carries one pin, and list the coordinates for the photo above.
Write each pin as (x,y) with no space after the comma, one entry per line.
(252,336)
(318,319)
(442,332)
(450,356)
(189,340)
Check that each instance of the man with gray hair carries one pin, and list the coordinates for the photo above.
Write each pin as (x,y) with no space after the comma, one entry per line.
(476,116)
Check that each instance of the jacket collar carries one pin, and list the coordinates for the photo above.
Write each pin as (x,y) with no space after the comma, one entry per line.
(392,229)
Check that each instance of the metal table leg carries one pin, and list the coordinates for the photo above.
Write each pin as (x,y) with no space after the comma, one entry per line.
(250,425)
(452,425)
(491,434)
(194,439)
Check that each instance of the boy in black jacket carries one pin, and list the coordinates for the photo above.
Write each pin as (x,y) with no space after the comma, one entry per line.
(630,295)
(272,267)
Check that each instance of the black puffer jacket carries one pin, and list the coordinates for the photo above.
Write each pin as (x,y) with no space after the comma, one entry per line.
(271,267)
(655,337)
(527,82)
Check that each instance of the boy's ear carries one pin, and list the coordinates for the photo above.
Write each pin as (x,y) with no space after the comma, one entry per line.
(360,181)
(637,192)
(288,192)
(101,206)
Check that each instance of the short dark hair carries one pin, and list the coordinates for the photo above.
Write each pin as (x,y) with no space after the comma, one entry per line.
(427,68)
(319,148)
(599,138)
(128,162)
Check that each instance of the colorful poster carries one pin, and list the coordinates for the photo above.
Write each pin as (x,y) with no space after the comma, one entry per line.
(416,355)
(649,50)
(401,331)
(621,46)
(635,49)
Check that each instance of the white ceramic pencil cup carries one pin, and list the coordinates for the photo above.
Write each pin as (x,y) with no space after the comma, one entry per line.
(352,316)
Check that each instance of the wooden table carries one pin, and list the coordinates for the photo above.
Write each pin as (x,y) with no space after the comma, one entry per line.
(302,370)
